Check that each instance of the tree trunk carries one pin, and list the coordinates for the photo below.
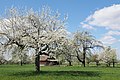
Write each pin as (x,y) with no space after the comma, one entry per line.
(70,64)
(37,63)
(84,52)
(79,57)
(97,63)
(21,63)
(113,63)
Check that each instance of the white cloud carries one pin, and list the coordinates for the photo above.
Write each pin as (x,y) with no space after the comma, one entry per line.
(112,33)
(86,26)
(108,17)
(107,40)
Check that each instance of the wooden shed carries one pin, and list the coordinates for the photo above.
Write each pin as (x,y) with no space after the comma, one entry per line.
(45,60)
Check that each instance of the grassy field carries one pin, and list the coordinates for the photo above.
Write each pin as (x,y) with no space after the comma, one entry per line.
(27,72)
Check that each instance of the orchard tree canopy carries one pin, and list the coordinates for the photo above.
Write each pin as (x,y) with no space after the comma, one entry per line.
(45,32)
(38,30)
(84,41)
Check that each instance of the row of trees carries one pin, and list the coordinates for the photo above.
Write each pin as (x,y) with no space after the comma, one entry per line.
(45,33)
(107,56)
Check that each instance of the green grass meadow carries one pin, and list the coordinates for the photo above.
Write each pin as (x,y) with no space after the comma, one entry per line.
(27,72)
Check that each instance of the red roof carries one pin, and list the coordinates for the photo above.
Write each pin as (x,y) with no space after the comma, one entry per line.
(43,57)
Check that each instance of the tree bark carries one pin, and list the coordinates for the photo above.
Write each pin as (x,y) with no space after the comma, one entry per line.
(97,63)
(37,62)
(113,63)
(70,64)
(21,63)
(84,52)
(79,57)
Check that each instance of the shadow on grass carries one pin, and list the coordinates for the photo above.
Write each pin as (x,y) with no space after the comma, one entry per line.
(71,73)
(57,73)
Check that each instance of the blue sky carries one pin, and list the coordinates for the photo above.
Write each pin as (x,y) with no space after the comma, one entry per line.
(100,17)
(77,10)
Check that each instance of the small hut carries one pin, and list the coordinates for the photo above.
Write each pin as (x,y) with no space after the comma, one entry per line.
(46,60)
